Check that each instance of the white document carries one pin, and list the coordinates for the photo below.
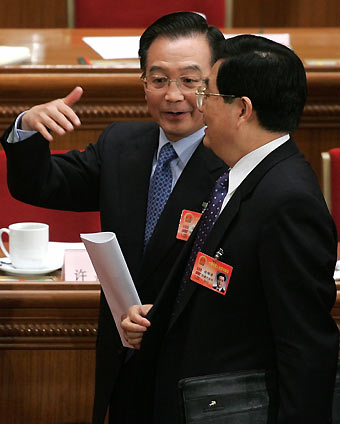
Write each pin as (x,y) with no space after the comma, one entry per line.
(113,274)
(114,47)
(11,55)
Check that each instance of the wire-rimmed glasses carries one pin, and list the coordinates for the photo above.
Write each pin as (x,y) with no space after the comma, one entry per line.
(201,94)
(184,83)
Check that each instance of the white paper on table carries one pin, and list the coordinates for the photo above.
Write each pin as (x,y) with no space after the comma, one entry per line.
(337,271)
(113,273)
(282,38)
(114,47)
(10,55)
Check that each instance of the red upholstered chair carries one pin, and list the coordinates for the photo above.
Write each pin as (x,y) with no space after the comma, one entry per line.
(331,183)
(64,226)
(141,14)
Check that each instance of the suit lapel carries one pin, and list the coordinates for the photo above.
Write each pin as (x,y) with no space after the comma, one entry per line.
(192,188)
(135,170)
(227,216)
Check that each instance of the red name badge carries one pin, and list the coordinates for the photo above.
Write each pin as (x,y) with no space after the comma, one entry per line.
(211,273)
(187,223)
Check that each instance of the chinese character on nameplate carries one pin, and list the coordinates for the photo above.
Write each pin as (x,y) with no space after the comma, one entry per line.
(78,266)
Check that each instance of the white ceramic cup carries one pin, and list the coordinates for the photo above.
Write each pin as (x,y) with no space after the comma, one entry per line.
(28,243)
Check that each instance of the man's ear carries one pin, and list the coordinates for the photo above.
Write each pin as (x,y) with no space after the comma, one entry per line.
(246,109)
(247,106)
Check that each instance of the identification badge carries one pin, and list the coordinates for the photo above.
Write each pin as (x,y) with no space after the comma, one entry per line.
(211,273)
(187,223)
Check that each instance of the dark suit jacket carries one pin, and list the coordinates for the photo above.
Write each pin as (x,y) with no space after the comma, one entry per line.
(278,235)
(112,176)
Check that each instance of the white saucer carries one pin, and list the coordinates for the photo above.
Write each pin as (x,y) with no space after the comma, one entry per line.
(54,260)
(29,271)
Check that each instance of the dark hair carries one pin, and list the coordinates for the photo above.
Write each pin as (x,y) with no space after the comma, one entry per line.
(270,74)
(176,25)
(221,275)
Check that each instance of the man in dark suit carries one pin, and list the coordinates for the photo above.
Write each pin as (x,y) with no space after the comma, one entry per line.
(114,175)
(272,231)
(220,282)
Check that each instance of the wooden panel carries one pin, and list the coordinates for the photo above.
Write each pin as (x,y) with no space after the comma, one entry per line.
(47,352)
(288,13)
(46,386)
(33,14)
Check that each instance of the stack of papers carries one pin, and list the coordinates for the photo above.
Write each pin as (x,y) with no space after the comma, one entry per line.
(12,55)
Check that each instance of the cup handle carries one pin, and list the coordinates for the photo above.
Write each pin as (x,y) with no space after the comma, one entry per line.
(3,248)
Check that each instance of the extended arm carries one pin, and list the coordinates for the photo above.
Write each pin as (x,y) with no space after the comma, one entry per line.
(56,116)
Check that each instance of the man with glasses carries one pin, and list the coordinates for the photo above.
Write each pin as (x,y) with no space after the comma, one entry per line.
(139,175)
(268,226)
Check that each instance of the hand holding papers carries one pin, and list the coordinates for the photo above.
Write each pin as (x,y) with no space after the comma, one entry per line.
(114,276)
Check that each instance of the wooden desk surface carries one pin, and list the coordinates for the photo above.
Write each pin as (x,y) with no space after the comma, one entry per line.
(55,47)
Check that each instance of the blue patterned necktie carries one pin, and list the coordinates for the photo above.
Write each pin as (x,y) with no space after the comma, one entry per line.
(206,223)
(160,189)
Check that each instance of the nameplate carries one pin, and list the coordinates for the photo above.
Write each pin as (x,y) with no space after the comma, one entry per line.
(78,266)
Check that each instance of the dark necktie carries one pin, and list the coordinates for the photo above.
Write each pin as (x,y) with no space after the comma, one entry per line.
(206,223)
(160,189)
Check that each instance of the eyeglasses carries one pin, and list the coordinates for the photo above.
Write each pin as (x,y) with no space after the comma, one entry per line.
(160,82)
(201,95)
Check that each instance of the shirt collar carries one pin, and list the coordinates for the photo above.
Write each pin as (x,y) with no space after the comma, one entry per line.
(248,162)
(183,147)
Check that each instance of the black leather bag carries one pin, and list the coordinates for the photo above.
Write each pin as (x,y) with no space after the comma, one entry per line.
(233,398)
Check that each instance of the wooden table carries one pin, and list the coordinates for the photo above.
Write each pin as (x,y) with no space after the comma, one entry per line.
(116,94)
(47,351)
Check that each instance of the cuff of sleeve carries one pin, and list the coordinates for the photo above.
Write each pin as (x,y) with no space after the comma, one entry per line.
(17,134)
